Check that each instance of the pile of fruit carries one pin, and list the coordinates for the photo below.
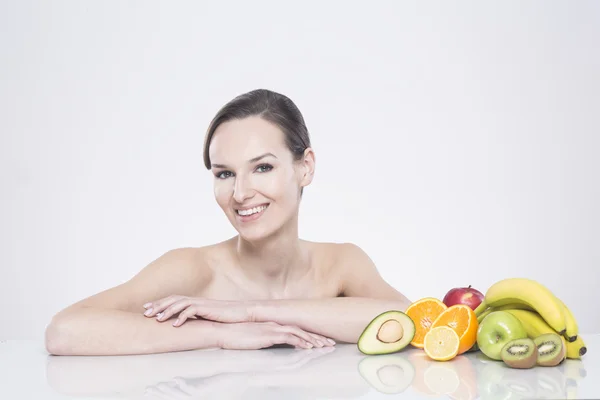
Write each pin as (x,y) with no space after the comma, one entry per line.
(519,321)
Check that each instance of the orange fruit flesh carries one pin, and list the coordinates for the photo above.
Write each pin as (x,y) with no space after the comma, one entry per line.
(441,343)
(463,321)
(423,313)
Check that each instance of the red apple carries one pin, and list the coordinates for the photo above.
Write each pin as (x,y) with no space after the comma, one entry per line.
(464,295)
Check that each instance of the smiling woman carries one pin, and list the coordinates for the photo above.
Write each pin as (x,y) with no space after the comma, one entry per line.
(263,287)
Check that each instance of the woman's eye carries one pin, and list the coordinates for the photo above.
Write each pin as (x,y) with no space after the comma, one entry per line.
(226,174)
(264,168)
(223,174)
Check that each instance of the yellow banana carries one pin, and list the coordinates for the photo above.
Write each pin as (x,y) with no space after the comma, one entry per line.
(484,314)
(529,293)
(535,326)
(515,306)
(576,349)
(533,323)
(572,330)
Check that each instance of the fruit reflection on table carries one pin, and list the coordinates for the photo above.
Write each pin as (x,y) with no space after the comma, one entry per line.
(519,327)
(468,376)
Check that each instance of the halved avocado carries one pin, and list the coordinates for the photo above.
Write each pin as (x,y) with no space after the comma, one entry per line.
(389,373)
(389,332)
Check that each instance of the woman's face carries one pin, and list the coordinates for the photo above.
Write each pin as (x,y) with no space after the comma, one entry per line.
(257,182)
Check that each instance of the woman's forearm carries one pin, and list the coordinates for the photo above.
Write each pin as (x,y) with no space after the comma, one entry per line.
(340,318)
(96,331)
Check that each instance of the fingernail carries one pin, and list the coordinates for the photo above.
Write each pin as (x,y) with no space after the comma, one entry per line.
(309,345)
(159,315)
(148,311)
(147,305)
(320,343)
(331,341)
(176,322)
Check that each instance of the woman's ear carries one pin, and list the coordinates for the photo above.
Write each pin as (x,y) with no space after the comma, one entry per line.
(308,167)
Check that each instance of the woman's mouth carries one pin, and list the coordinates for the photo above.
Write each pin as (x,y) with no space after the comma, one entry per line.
(251,214)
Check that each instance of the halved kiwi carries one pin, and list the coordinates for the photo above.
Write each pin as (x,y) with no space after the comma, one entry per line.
(551,350)
(520,353)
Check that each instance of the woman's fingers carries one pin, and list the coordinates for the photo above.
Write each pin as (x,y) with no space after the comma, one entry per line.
(155,307)
(291,339)
(305,335)
(316,339)
(173,309)
(185,314)
(323,339)
(326,341)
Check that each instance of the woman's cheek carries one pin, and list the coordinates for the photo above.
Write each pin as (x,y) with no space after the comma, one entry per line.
(274,185)
(221,190)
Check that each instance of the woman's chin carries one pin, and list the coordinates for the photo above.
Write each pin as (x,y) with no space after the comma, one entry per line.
(253,234)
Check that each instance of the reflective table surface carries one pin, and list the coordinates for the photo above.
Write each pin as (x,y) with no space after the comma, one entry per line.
(341,372)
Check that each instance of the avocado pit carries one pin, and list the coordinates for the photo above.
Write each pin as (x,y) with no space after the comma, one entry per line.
(390,331)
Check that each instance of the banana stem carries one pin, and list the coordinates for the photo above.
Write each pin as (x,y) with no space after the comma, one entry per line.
(481,308)
(484,314)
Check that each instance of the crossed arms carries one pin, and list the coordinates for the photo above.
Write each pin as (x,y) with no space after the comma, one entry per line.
(112,322)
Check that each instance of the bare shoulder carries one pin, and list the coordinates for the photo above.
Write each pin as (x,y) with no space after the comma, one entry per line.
(346,255)
(193,262)
(359,275)
(352,251)
(335,256)
(180,271)
(333,261)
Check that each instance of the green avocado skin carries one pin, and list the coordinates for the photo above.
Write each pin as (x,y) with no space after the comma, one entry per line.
(370,345)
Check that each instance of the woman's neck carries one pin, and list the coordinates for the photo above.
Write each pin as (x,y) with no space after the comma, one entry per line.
(275,260)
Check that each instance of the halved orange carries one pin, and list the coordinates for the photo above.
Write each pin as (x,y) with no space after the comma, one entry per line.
(462,319)
(423,312)
(441,343)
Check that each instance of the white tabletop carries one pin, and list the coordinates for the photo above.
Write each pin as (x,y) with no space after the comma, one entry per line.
(29,372)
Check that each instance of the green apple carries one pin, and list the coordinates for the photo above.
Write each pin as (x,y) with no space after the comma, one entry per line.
(497,329)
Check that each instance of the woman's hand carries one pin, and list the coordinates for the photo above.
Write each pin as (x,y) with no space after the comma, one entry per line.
(186,307)
(228,312)
(258,335)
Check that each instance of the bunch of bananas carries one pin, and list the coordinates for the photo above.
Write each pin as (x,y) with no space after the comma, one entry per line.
(538,309)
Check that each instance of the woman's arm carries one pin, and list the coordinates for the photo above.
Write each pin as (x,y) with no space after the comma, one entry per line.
(342,319)
(111,322)
(90,331)
(365,295)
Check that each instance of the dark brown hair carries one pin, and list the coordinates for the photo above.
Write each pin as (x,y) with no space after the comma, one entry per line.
(273,107)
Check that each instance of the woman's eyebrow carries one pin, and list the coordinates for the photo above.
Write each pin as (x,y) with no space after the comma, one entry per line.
(252,160)
(255,159)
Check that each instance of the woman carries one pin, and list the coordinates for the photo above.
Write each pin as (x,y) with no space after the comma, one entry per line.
(261,288)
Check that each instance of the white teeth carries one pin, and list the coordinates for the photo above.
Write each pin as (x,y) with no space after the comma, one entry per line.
(251,211)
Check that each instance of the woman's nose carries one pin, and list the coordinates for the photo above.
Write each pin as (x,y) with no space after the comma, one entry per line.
(242,189)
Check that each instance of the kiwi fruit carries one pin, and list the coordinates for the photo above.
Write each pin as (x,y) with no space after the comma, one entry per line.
(551,350)
(564,342)
(520,353)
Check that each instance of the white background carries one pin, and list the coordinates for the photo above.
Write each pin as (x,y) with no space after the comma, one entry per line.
(457,143)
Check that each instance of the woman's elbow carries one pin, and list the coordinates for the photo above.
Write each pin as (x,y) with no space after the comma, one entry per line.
(55,337)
